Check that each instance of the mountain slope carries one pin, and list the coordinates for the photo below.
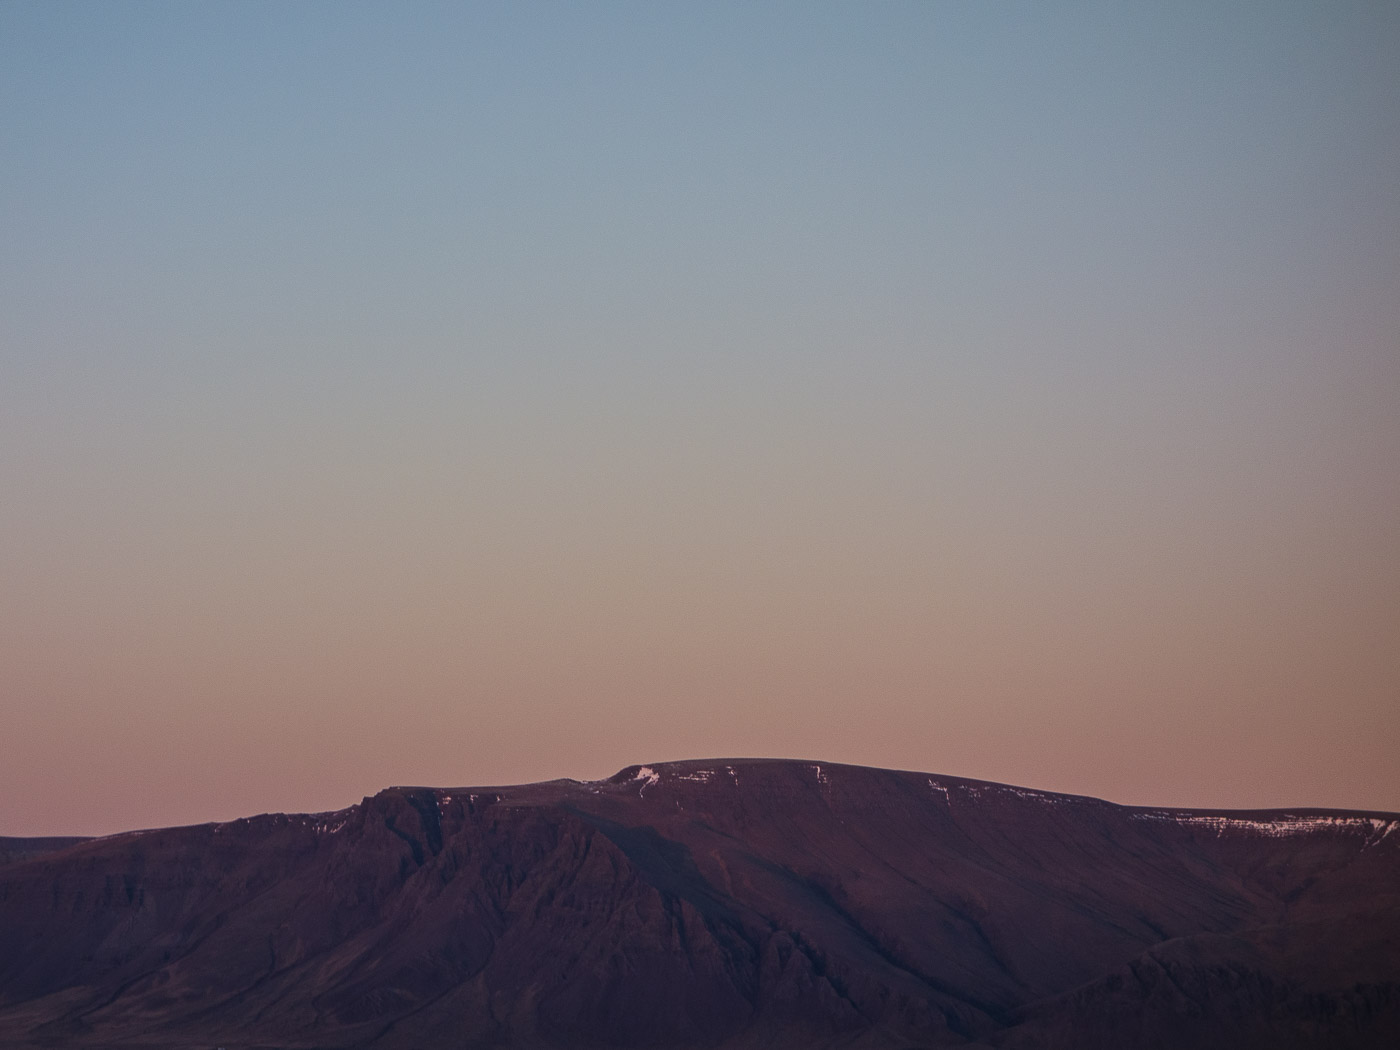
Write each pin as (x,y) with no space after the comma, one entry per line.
(733,903)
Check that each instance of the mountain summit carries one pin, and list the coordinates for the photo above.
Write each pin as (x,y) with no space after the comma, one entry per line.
(728,904)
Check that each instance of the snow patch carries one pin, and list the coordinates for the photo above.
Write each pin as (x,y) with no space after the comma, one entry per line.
(1038,796)
(698,776)
(1283,826)
(648,777)
(331,822)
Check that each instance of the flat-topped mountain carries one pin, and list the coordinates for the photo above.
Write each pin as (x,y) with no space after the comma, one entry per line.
(734,903)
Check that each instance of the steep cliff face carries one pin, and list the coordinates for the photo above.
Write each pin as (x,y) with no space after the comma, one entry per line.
(734,903)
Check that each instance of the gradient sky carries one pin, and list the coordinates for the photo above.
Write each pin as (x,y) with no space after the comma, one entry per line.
(465,394)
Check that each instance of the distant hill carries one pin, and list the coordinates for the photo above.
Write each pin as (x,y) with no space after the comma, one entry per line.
(730,904)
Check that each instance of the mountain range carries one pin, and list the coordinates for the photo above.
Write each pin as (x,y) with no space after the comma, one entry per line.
(727,904)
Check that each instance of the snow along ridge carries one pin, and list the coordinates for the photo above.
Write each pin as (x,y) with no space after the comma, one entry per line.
(1282,826)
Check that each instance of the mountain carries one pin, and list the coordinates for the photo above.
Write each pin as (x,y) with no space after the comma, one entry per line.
(730,904)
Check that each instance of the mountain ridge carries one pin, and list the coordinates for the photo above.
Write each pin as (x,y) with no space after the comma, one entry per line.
(629,772)
(717,903)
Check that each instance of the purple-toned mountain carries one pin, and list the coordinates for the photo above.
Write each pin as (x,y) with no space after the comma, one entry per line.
(725,904)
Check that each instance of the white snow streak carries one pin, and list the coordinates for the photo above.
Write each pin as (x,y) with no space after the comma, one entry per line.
(1282,826)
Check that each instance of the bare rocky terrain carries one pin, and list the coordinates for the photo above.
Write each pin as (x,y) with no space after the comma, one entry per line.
(726,904)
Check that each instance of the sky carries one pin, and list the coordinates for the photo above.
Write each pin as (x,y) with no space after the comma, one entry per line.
(454,394)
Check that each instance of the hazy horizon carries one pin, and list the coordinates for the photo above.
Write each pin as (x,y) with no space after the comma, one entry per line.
(466,394)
